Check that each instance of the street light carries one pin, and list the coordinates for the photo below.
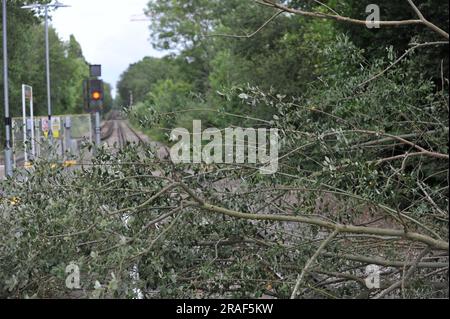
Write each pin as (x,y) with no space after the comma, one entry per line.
(46,8)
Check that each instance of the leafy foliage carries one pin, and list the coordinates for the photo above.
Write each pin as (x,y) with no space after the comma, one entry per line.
(363,156)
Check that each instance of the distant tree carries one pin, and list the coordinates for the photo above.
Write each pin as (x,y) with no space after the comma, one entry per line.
(140,78)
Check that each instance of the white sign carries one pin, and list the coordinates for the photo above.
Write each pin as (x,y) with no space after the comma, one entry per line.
(30,124)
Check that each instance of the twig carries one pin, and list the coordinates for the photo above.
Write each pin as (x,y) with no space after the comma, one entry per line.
(405,136)
(410,272)
(427,23)
(311,261)
(385,262)
(326,6)
(164,232)
(340,18)
(73,234)
(147,202)
(421,17)
(398,157)
(248,36)
(432,202)
(406,142)
(404,55)
(132,240)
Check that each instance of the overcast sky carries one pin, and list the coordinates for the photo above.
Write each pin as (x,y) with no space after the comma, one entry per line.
(105,32)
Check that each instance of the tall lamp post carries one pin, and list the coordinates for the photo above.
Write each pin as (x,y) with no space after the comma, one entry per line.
(46,8)
(8,149)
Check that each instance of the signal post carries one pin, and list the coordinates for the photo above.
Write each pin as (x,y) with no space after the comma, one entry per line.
(94,93)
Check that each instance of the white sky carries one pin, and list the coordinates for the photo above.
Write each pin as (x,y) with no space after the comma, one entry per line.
(105,32)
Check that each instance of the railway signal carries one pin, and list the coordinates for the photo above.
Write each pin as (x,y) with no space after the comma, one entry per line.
(94,95)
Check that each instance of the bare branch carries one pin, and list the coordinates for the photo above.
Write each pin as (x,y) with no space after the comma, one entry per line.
(398,157)
(431,201)
(147,202)
(385,262)
(311,261)
(410,272)
(421,17)
(435,243)
(326,6)
(340,18)
(248,36)
(406,142)
(406,136)
(427,23)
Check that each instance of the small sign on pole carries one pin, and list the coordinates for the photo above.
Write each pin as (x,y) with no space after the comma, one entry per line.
(45,127)
(56,127)
(95,70)
(28,92)
(30,124)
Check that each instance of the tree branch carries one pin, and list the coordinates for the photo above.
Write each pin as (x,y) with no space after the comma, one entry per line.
(410,272)
(340,18)
(407,52)
(248,36)
(435,243)
(406,142)
(427,23)
(147,202)
(385,262)
(311,261)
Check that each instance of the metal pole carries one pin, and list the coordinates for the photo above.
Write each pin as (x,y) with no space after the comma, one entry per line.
(8,150)
(47,60)
(33,141)
(25,126)
(97,129)
(68,136)
(90,128)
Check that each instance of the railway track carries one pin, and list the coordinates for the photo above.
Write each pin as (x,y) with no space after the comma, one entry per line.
(125,133)
(107,127)
(116,128)
(120,135)
(107,130)
(136,135)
